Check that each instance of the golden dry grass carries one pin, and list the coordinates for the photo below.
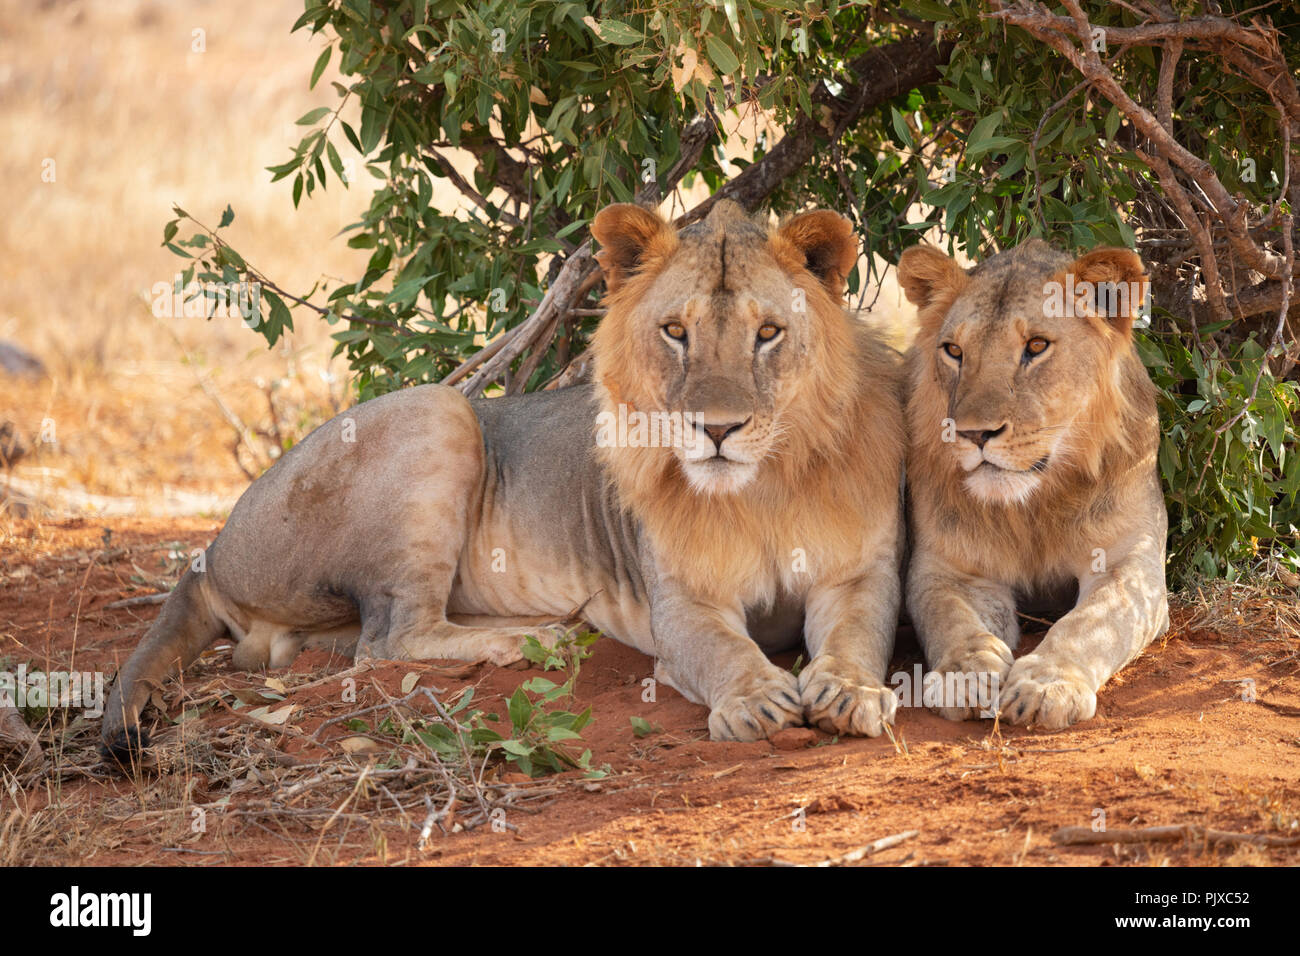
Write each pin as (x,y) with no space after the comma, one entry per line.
(134,121)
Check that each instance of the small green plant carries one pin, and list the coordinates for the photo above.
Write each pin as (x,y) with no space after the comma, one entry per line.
(541,738)
(460,732)
(33,714)
(567,653)
(643,728)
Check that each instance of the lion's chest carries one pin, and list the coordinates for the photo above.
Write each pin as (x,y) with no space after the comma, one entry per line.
(779,627)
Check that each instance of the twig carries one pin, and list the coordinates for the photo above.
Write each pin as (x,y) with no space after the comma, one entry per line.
(1084,836)
(1063,750)
(435,815)
(369,710)
(853,856)
(342,807)
(353,671)
(16,735)
(138,600)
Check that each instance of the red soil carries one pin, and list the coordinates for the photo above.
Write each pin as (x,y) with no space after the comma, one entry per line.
(1173,742)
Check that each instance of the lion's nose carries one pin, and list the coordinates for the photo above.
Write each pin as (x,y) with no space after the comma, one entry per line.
(719,433)
(981,438)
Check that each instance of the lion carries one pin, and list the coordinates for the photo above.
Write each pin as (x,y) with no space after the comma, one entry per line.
(1031,474)
(422,524)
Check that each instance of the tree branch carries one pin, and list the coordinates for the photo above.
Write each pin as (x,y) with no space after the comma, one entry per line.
(877,77)
(1058,31)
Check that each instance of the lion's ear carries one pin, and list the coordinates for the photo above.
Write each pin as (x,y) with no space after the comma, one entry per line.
(928,276)
(828,245)
(1111,285)
(631,237)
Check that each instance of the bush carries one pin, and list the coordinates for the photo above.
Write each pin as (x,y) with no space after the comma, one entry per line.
(990,122)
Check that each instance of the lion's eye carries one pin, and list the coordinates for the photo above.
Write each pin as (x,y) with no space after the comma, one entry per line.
(675,331)
(953,350)
(767,332)
(1036,346)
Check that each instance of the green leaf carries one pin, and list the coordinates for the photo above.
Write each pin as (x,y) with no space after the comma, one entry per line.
(520,709)
(374,120)
(321,62)
(539,685)
(571,228)
(278,320)
(335,162)
(351,134)
(982,130)
(990,144)
(721,56)
(900,128)
(558,734)
(1112,124)
(313,116)
(618,32)
(227,217)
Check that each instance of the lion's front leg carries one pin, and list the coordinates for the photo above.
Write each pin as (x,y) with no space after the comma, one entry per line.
(705,652)
(967,628)
(1119,612)
(849,629)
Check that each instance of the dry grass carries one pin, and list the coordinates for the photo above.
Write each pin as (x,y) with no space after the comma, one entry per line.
(1260,609)
(135,121)
(335,807)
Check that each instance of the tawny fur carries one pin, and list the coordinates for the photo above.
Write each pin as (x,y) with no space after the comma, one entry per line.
(1089,409)
(835,463)
(423,525)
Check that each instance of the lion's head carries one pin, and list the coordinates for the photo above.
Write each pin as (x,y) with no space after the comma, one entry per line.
(734,334)
(1023,368)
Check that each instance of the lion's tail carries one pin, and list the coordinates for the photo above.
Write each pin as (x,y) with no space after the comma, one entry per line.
(184,627)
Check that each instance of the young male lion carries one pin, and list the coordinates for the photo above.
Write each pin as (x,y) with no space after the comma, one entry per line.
(424,525)
(1032,474)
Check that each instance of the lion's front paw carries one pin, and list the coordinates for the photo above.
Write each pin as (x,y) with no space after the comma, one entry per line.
(840,699)
(758,708)
(1046,694)
(963,684)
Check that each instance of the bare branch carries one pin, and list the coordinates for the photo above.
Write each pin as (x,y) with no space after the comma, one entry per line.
(1058,32)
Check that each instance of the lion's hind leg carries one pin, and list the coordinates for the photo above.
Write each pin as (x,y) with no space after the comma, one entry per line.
(423,634)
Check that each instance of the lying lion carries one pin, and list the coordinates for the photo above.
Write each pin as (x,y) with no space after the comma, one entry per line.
(1032,474)
(425,525)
